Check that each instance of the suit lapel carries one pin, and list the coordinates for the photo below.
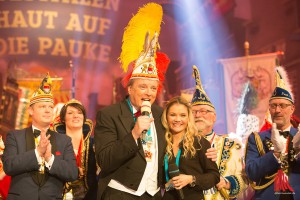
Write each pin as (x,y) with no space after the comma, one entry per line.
(128,123)
(52,141)
(30,144)
(126,117)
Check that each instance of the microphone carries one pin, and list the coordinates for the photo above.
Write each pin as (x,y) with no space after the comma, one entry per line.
(174,171)
(145,111)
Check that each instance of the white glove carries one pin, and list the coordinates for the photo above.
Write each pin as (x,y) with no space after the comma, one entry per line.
(276,140)
(296,139)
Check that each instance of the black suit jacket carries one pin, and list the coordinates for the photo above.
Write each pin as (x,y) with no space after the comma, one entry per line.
(205,170)
(117,153)
(20,162)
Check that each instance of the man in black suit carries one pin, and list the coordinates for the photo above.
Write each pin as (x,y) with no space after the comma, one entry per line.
(122,155)
(38,160)
(130,148)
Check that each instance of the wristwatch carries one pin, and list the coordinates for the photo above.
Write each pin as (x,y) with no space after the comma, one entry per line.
(193,183)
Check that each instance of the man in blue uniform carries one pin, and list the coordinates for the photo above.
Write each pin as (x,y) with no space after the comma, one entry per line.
(272,156)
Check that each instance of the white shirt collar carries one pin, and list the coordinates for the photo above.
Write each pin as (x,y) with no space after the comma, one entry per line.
(35,128)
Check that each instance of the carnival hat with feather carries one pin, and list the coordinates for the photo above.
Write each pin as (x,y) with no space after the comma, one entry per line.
(200,97)
(140,42)
(282,91)
(43,93)
(283,88)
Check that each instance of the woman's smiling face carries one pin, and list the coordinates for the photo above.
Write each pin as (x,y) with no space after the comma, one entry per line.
(177,118)
(74,117)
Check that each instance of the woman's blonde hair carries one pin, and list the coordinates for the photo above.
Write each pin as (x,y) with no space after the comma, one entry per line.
(191,129)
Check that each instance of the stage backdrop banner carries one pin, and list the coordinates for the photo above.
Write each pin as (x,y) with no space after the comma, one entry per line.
(260,71)
(40,36)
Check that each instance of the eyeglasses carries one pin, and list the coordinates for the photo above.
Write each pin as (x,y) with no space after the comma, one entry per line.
(203,112)
(280,105)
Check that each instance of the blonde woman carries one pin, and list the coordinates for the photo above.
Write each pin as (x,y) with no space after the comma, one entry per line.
(186,150)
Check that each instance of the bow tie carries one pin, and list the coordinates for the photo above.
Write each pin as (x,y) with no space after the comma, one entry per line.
(137,114)
(37,133)
(285,134)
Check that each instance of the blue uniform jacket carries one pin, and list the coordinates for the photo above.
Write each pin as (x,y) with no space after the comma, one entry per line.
(260,167)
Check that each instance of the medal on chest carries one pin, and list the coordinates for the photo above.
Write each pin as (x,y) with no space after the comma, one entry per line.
(147,142)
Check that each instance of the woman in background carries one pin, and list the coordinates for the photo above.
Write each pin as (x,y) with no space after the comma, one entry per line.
(73,122)
(186,149)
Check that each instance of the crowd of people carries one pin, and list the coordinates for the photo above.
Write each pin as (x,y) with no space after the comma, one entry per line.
(142,151)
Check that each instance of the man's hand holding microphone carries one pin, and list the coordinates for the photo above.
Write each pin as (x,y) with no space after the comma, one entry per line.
(143,122)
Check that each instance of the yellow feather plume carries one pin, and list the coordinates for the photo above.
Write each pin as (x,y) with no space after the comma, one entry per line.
(148,19)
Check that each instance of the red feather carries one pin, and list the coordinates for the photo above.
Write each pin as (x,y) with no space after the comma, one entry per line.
(162,63)
(295,121)
(126,79)
(267,125)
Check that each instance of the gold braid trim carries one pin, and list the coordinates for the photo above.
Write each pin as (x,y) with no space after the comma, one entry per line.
(270,177)
(85,151)
(259,187)
(262,152)
(259,144)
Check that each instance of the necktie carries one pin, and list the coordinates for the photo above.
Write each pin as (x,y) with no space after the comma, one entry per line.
(285,134)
